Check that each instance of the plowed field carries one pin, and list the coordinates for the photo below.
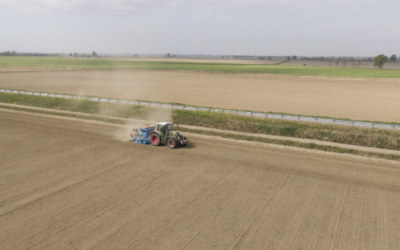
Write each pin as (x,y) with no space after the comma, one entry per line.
(372,100)
(67,184)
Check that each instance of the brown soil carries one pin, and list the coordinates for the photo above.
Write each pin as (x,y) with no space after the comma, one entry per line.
(341,98)
(68,184)
(60,113)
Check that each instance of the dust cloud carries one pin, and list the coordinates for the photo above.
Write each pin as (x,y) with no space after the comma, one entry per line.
(152,117)
(123,134)
(124,82)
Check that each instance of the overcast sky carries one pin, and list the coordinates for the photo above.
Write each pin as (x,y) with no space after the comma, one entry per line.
(251,27)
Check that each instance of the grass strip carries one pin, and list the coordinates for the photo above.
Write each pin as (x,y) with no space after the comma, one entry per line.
(69,115)
(314,146)
(377,138)
(87,63)
(220,134)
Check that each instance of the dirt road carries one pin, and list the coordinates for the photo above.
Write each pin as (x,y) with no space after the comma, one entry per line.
(372,100)
(69,184)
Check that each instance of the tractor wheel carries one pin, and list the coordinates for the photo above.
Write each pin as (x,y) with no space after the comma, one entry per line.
(171,143)
(155,139)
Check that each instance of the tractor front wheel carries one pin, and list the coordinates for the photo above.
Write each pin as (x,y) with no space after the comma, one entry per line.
(155,139)
(171,143)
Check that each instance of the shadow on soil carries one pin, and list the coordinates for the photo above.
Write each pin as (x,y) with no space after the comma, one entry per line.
(189,146)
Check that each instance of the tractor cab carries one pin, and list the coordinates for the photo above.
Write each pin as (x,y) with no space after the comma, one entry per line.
(164,127)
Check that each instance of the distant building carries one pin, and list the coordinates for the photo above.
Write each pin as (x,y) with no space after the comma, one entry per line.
(94,54)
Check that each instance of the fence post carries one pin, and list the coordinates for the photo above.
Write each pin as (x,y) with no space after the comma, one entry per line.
(352,124)
(393,127)
(316,119)
(372,125)
(251,114)
(266,116)
(333,122)
(298,118)
(281,117)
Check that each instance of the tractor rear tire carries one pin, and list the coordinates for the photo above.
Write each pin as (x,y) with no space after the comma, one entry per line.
(171,143)
(155,139)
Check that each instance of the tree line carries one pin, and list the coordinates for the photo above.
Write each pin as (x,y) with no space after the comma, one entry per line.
(13,53)
(379,61)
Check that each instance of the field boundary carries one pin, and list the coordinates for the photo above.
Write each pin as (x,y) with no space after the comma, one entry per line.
(107,63)
(314,120)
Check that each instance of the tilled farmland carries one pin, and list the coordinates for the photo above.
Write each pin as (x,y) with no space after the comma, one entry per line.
(373,100)
(67,184)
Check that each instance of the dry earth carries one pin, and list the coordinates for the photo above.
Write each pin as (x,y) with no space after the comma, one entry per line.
(69,184)
(375,100)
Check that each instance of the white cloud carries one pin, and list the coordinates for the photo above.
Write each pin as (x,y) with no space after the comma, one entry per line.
(151,6)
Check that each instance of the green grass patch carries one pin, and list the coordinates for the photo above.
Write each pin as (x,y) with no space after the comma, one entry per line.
(294,144)
(87,63)
(384,139)
(377,138)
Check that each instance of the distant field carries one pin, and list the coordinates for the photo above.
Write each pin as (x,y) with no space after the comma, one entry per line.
(374,100)
(197,66)
(349,64)
(203,60)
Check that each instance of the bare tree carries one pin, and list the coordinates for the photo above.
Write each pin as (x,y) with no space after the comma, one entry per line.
(344,61)
(337,61)
(331,59)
